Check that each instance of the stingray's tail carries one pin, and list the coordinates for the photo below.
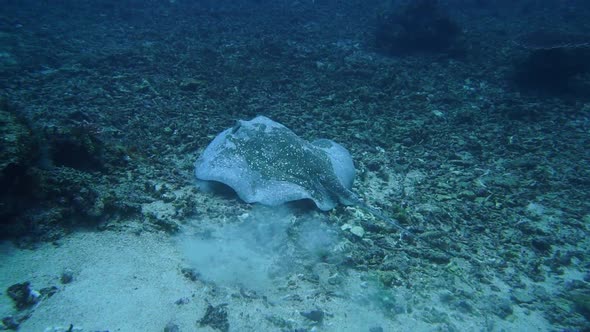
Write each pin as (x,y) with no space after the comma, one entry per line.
(383,217)
(353,199)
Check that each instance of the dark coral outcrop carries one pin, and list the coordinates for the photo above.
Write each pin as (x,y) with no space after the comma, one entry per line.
(418,27)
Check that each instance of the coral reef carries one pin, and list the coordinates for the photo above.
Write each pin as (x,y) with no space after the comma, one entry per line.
(418,27)
(18,181)
(553,60)
(51,178)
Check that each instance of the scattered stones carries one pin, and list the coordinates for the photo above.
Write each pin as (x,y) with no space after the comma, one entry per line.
(435,316)
(215,317)
(182,301)
(191,84)
(171,327)
(358,231)
(581,301)
(190,273)
(314,315)
(390,278)
(501,307)
(283,324)
(542,244)
(48,292)
(67,276)
(522,296)
(23,296)
(437,257)
(10,323)
(161,214)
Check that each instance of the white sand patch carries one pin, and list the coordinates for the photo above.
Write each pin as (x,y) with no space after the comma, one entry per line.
(126,282)
(122,282)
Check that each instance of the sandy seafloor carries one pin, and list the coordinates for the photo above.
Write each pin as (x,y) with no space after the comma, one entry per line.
(129,282)
(132,280)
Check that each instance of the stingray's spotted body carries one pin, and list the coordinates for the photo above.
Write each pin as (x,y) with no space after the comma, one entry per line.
(266,163)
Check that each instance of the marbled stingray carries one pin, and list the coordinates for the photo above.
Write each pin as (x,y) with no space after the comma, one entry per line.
(265,162)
